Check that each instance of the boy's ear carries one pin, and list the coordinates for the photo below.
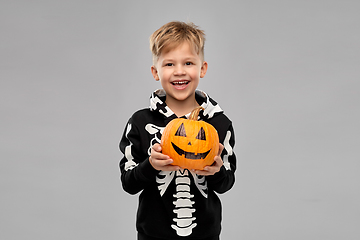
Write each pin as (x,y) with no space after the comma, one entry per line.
(155,73)
(204,68)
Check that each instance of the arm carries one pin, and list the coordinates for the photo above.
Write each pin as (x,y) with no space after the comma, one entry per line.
(136,170)
(221,175)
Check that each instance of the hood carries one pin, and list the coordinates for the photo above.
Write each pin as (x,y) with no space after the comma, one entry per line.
(157,103)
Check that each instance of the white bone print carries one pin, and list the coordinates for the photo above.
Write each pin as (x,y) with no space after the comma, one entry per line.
(156,131)
(184,221)
(163,180)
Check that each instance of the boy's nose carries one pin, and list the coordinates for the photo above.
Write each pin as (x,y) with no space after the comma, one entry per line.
(179,71)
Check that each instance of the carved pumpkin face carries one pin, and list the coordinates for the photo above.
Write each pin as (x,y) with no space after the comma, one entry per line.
(190,143)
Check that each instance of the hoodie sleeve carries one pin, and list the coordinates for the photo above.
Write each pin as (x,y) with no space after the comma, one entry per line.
(136,170)
(223,180)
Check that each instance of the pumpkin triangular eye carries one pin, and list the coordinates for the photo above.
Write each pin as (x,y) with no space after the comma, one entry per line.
(181,131)
(201,134)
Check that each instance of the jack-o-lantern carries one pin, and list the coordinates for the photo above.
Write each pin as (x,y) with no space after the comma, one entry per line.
(192,144)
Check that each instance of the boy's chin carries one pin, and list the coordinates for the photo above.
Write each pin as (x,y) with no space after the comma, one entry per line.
(182,98)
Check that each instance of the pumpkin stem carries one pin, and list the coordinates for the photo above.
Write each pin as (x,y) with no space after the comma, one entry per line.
(195,113)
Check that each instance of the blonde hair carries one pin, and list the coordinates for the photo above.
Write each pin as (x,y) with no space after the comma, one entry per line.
(173,34)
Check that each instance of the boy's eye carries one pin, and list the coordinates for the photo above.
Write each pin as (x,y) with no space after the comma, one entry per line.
(188,63)
(168,64)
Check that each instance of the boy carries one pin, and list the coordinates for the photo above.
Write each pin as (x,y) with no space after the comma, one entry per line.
(176,203)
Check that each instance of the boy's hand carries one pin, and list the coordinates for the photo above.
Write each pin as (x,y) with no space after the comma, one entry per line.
(215,167)
(159,161)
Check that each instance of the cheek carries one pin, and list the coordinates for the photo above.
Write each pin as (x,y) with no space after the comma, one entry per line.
(165,74)
(193,74)
(196,72)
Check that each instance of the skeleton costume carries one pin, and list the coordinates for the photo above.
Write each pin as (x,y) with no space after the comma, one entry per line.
(181,204)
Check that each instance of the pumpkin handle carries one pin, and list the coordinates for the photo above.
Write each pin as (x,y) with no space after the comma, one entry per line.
(195,113)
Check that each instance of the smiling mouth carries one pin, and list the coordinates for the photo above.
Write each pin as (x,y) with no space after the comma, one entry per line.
(190,155)
(180,82)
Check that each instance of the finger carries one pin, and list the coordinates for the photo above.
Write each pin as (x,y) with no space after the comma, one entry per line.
(156,152)
(208,170)
(165,165)
(221,148)
(156,147)
(159,156)
(165,162)
(211,170)
(203,172)
(158,162)
(171,168)
(218,161)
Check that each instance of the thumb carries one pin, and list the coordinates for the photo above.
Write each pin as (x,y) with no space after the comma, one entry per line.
(157,147)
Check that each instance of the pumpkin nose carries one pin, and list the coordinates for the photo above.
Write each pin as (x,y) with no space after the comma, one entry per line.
(189,143)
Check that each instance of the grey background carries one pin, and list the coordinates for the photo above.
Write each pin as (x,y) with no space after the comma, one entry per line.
(286,72)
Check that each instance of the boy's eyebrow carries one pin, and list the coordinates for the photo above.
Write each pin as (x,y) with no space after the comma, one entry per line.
(185,59)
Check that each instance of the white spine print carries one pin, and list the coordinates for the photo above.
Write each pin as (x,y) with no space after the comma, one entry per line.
(184,222)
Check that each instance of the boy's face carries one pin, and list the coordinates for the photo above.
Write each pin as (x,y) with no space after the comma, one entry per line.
(179,71)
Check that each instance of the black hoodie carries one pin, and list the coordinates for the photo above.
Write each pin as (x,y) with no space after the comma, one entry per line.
(181,204)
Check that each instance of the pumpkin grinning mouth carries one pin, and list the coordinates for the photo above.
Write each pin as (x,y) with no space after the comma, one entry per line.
(190,155)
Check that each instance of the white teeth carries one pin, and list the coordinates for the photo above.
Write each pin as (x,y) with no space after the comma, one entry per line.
(180,82)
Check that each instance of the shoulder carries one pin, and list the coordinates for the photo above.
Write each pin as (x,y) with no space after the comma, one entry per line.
(146,116)
(220,119)
(139,114)
(139,117)
(222,124)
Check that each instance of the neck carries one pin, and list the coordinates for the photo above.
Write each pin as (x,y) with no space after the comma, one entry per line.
(181,108)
